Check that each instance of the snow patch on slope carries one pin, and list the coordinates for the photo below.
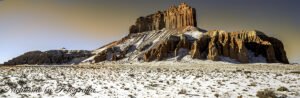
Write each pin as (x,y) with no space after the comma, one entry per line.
(140,43)
(251,57)
(228,59)
(192,35)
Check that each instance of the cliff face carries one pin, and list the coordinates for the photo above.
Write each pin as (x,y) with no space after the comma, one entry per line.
(174,17)
(173,34)
(242,47)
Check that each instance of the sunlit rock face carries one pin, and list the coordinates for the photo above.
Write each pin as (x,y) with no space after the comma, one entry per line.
(174,17)
(174,34)
(158,45)
(237,45)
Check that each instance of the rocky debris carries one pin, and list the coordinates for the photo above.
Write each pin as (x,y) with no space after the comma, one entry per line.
(172,18)
(50,57)
(212,45)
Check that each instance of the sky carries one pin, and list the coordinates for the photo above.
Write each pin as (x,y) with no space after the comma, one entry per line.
(27,25)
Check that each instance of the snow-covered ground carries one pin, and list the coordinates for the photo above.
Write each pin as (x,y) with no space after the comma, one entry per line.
(151,80)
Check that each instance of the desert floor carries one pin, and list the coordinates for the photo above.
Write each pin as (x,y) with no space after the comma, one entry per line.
(153,81)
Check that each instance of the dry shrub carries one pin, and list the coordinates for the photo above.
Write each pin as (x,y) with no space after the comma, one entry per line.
(266,93)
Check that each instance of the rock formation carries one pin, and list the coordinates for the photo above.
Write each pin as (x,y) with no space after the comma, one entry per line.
(50,57)
(211,45)
(172,18)
(237,44)
(172,34)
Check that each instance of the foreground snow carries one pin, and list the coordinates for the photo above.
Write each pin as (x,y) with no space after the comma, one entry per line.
(154,80)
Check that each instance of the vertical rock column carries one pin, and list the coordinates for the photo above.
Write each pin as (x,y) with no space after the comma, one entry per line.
(172,18)
(181,16)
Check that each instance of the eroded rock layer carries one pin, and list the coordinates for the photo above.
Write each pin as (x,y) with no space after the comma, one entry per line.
(174,17)
(237,45)
(242,47)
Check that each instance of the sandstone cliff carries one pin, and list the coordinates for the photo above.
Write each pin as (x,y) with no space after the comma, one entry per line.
(243,47)
(172,18)
(237,45)
(173,34)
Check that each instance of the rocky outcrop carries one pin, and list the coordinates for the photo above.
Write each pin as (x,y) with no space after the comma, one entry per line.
(237,45)
(174,17)
(50,57)
(148,23)
(199,48)
(167,48)
(190,41)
